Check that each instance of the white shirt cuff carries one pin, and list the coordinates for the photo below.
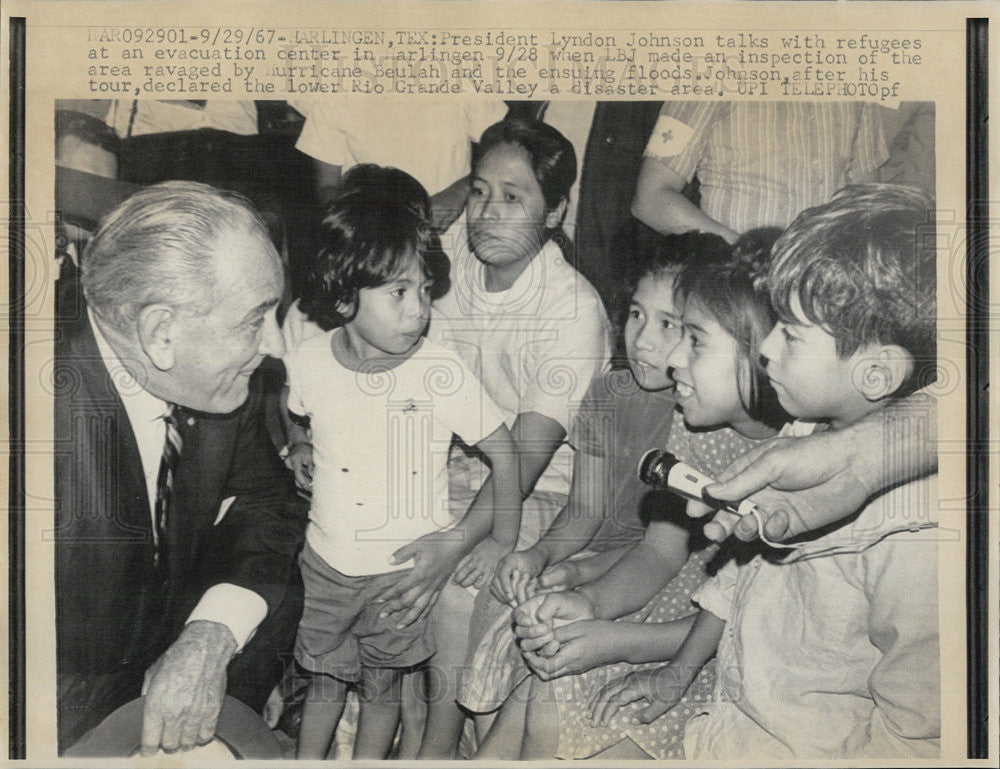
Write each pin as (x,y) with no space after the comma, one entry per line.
(237,608)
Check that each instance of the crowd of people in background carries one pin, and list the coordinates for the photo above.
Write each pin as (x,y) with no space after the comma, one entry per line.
(376,378)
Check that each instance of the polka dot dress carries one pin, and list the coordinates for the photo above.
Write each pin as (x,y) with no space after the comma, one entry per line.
(579,738)
(710,452)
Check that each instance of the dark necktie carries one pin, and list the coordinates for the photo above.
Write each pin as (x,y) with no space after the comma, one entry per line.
(165,480)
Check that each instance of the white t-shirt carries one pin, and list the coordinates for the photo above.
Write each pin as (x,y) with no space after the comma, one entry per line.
(380,446)
(429,139)
(535,347)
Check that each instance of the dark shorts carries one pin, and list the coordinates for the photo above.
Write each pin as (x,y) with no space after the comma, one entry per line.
(341,632)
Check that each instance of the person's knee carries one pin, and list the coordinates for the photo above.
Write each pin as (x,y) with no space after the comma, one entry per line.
(541,711)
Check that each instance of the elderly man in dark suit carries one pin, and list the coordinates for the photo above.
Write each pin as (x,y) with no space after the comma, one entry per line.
(176,524)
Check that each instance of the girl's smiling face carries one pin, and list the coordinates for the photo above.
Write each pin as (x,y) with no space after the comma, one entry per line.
(704,368)
(652,330)
(506,213)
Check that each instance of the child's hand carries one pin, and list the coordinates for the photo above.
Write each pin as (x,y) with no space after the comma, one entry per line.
(561,576)
(435,557)
(537,618)
(477,568)
(300,462)
(512,583)
(661,687)
(582,646)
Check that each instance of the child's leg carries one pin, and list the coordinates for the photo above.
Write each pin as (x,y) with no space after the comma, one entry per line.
(414,714)
(450,619)
(378,717)
(321,711)
(541,723)
(503,740)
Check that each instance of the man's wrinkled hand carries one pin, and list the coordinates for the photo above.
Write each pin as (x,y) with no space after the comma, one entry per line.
(798,484)
(185,688)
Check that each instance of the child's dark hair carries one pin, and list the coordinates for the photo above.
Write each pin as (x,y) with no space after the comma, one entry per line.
(642,252)
(377,220)
(551,154)
(863,267)
(734,293)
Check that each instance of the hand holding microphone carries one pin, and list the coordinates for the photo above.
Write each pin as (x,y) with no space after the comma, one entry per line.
(662,470)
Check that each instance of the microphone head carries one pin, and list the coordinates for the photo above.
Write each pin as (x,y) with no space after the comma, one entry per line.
(654,467)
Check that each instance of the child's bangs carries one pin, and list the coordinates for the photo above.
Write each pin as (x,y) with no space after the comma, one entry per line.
(390,253)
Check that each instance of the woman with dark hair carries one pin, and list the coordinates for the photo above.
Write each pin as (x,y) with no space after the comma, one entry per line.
(534,331)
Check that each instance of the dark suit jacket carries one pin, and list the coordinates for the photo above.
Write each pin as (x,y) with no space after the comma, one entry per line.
(115,612)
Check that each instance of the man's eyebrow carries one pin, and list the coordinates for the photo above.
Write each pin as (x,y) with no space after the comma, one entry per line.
(260,309)
(695,326)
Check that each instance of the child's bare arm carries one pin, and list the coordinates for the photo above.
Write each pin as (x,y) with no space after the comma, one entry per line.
(583,514)
(536,438)
(502,504)
(437,555)
(639,574)
(570,574)
(298,446)
(572,529)
(586,644)
(661,687)
(501,451)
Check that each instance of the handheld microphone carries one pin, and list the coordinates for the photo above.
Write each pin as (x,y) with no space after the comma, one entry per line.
(662,470)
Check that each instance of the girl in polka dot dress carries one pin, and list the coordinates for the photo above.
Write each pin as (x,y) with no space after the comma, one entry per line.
(623,413)
(728,407)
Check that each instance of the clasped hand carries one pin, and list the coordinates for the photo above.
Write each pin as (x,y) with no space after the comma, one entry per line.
(184,689)
(558,635)
(522,575)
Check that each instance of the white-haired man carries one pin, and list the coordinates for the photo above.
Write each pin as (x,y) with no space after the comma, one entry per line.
(176,523)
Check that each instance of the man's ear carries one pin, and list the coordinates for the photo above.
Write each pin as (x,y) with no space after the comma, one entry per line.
(554,217)
(884,368)
(156,327)
(345,309)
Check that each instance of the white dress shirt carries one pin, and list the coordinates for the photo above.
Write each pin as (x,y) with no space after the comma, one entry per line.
(239,609)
